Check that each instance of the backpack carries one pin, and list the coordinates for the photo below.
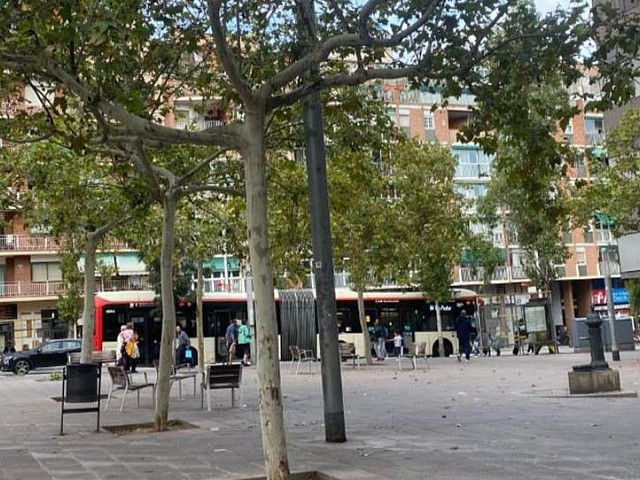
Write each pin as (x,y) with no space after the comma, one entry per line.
(130,348)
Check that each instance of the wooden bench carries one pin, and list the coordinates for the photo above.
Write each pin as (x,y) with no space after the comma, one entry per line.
(217,377)
(348,352)
(97,357)
(121,380)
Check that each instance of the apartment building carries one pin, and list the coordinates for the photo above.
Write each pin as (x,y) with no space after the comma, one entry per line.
(580,283)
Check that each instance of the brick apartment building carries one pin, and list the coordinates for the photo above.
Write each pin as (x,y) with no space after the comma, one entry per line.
(580,283)
(31,278)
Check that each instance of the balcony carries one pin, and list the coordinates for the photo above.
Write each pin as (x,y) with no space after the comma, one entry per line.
(53,289)
(605,235)
(31,289)
(221,285)
(28,243)
(33,243)
(476,275)
(472,171)
(595,138)
(518,273)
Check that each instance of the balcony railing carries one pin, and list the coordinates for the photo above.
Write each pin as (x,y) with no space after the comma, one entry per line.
(472,171)
(595,138)
(28,243)
(518,273)
(605,236)
(31,289)
(221,285)
(55,288)
(33,243)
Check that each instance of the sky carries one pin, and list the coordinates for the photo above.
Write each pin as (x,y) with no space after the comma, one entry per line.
(548,5)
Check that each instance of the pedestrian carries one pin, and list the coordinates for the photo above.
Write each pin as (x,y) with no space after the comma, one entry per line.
(132,353)
(486,344)
(496,343)
(397,345)
(126,334)
(182,343)
(244,343)
(120,347)
(463,330)
(231,339)
(380,337)
(476,345)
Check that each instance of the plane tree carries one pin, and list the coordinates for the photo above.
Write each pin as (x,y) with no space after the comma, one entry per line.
(80,197)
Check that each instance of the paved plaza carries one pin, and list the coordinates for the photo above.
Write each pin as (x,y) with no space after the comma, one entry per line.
(505,417)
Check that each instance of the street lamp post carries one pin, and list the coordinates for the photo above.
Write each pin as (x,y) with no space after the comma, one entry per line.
(323,260)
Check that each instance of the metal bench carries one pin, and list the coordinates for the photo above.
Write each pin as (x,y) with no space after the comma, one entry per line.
(217,377)
(300,356)
(179,373)
(348,352)
(414,352)
(120,380)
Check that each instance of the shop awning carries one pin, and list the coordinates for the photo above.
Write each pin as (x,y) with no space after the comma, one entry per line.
(123,263)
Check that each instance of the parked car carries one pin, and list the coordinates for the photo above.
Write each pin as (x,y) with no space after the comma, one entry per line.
(53,353)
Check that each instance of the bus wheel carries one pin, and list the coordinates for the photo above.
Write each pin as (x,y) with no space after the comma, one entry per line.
(448,349)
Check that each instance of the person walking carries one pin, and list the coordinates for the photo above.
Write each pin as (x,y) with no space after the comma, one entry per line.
(182,343)
(244,343)
(463,330)
(397,345)
(380,337)
(231,340)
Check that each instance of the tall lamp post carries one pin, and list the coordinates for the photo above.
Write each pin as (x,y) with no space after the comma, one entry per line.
(607,260)
(322,256)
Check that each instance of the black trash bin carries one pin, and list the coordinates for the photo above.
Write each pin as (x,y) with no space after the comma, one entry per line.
(81,383)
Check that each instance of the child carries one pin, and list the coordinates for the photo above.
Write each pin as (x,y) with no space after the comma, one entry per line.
(397,344)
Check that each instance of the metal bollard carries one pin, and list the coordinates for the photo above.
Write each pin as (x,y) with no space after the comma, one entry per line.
(595,340)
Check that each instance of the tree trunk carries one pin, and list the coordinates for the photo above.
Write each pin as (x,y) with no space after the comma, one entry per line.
(200,318)
(269,387)
(365,329)
(168,312)
(88,314)
(439,327)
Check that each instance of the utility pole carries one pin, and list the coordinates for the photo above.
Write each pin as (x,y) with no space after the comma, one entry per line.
(322,253)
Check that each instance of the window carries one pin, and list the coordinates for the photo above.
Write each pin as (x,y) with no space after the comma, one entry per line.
(472,163)
(46,272)
(403,122)
(429,126)
(568,133)
(471,191)
(581,166)
(594,128)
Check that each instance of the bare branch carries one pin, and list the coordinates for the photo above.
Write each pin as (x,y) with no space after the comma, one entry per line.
(225,55)
(227,136)
(195,170)
(322,50)
(140,157)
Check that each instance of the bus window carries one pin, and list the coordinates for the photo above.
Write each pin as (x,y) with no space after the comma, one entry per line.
(390,317)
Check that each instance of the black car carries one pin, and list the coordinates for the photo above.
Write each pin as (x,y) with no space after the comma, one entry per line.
(53,353)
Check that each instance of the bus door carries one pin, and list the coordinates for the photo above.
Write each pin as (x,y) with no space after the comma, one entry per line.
(141,327)
(390,318)
(217,328)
